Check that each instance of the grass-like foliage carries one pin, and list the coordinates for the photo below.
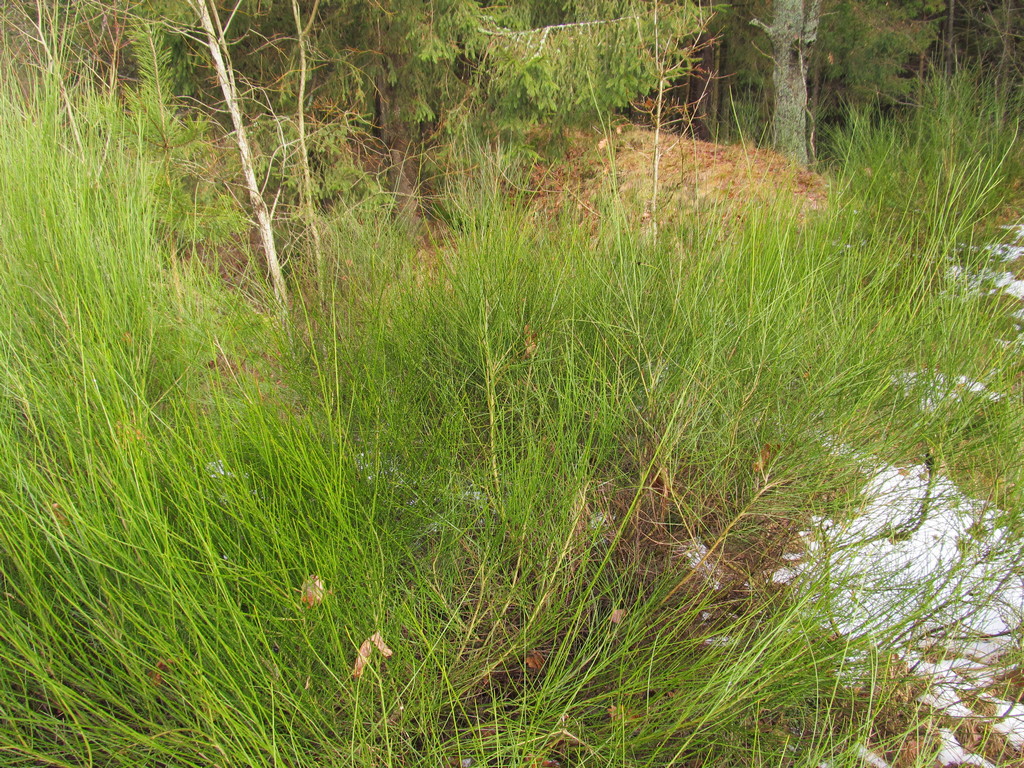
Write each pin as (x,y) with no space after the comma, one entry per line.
(506,459)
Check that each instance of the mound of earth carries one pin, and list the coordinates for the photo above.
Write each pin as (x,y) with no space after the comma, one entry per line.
(693,176)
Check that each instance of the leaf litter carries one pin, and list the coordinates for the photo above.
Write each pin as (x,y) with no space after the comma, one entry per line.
(366,651)
(313,591)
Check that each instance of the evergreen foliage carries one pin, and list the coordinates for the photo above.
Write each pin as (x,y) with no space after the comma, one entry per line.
(193,206)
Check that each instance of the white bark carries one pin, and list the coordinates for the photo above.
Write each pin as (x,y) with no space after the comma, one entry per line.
(226,78)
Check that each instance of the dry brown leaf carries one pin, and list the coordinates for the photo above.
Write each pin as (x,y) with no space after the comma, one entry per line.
(378,641)
(534,661)
(617,616)
(366,650)
(313,591)
(764,458)
(156,676)
(361,658)
(530,337)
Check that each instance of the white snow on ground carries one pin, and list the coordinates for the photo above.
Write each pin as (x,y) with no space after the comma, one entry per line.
(934,387)
(1012,250)
(919,550)
(953,753)
(991,281)
(1009,721)
(215,469)
(922,560)
(870,758)
(1008,283)
(699,557)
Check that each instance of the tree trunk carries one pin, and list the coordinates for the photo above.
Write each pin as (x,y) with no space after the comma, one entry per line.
(226,79)
(950,42)
(404,174)
(306,197)
(715,97)
(792,33)
(701,88)
(723,99)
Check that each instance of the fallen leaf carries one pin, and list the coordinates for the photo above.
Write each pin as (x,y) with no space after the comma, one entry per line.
(534,661)
(378,641)
(366,650)
(531,342)
(617,616)
(764,458)
(156,676)
(602,144)
(313,591)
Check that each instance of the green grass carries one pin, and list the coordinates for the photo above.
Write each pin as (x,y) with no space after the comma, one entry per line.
(483,461)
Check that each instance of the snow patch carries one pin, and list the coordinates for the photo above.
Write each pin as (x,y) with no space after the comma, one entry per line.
(935,388)
(922,553)
(699,557)
(1009,722)
(953,753)
(871,758)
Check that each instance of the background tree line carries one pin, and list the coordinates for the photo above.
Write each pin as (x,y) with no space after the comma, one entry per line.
(344,99)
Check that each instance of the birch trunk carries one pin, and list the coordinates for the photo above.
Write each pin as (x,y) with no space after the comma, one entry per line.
(226,79)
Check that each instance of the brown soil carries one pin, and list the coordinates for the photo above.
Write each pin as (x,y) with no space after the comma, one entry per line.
(693,176)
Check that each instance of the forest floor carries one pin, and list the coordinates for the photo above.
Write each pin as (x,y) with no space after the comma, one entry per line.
(694,177)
